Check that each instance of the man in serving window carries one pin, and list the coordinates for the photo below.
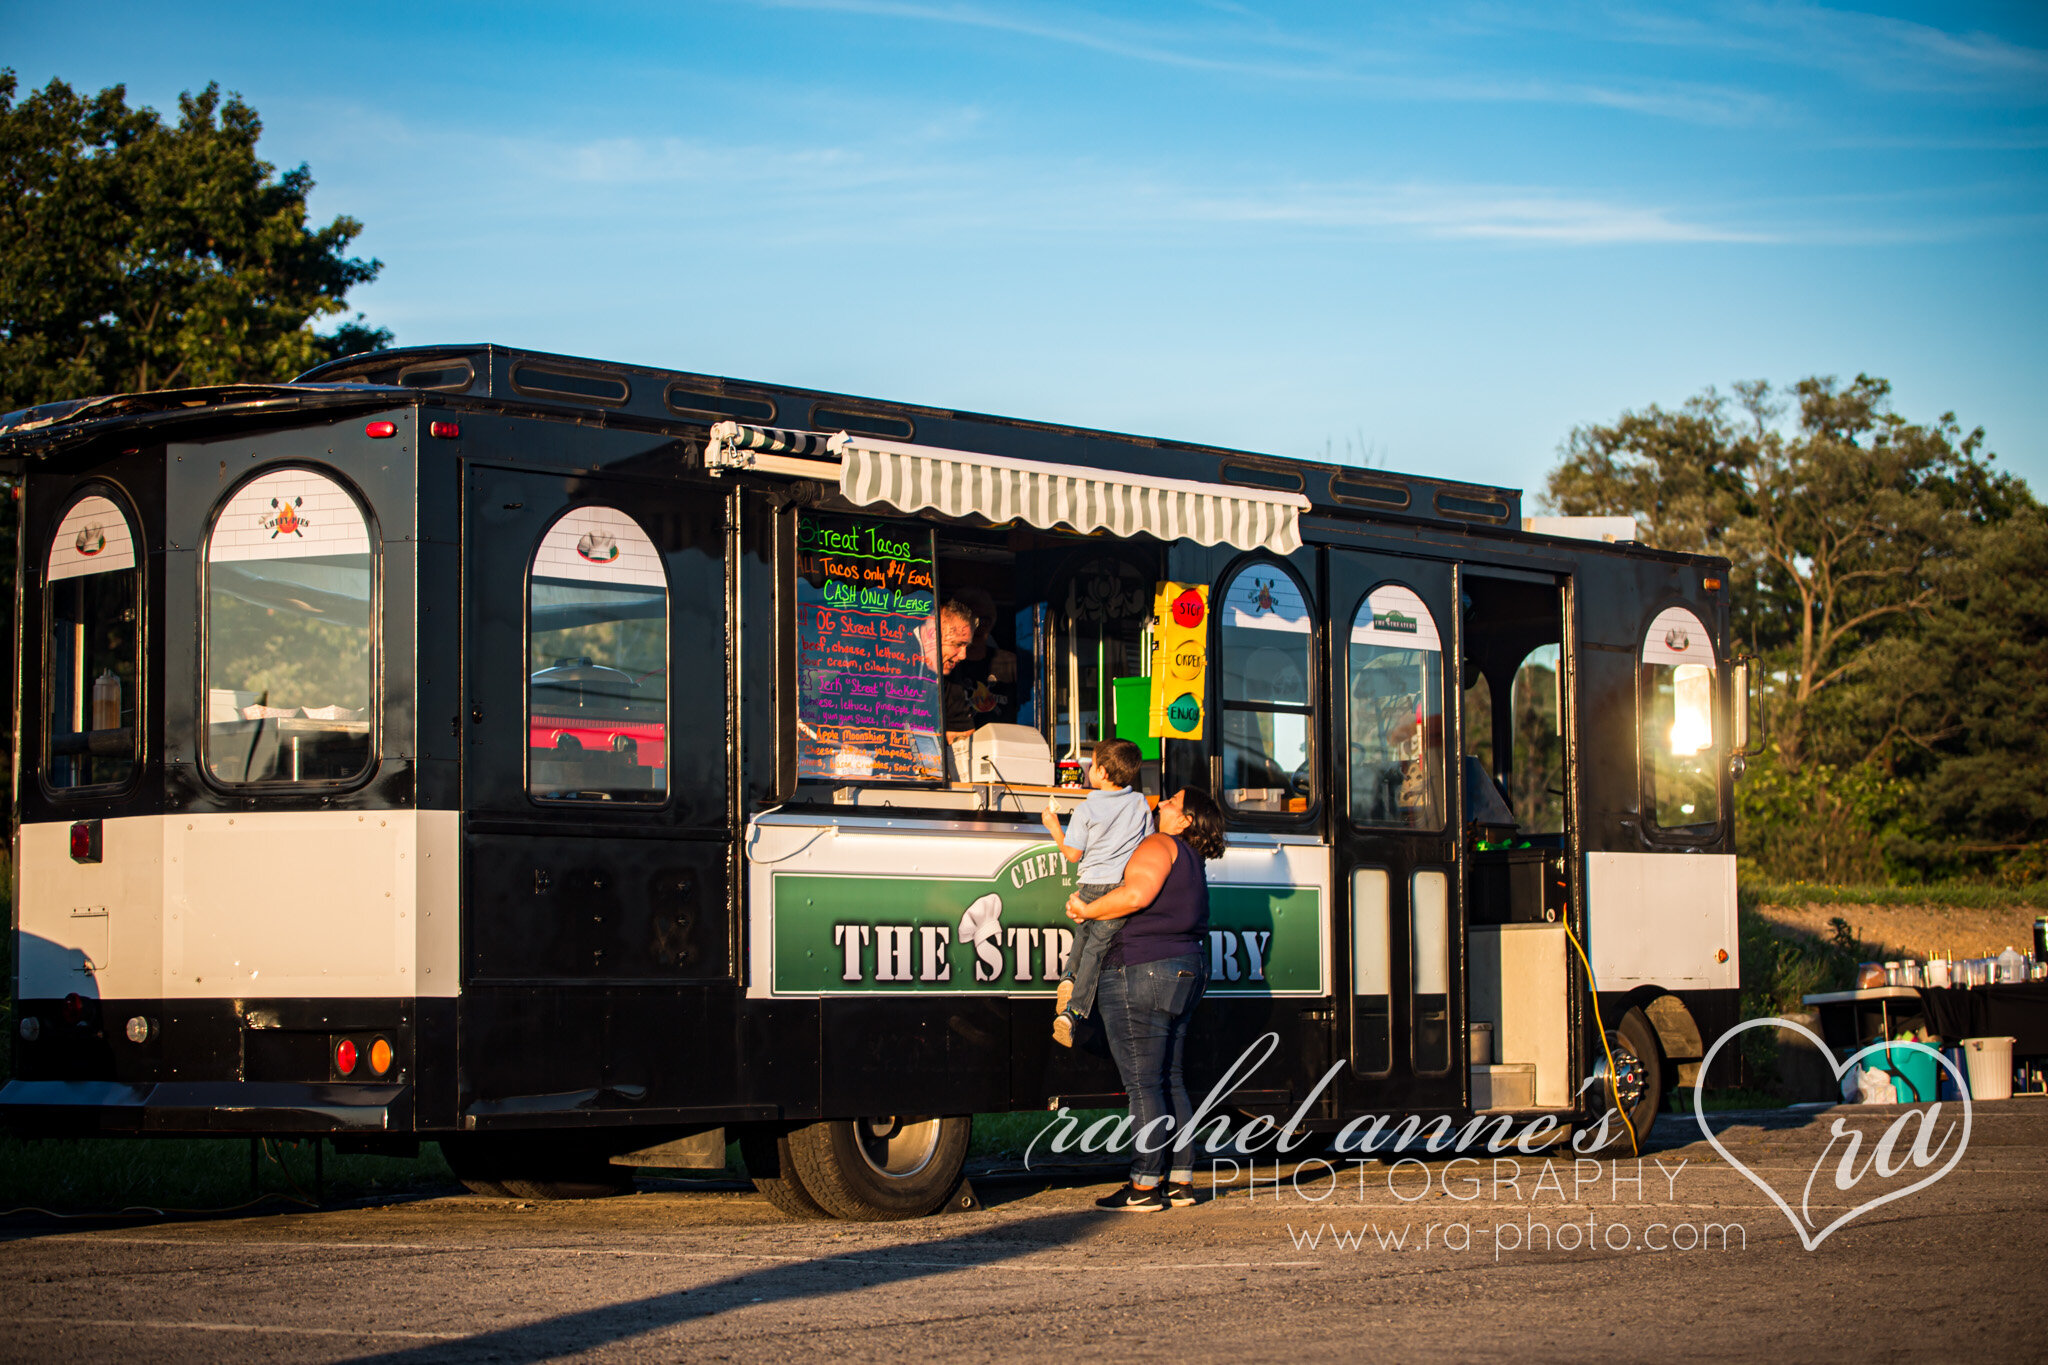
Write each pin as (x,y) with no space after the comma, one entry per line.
(944,640)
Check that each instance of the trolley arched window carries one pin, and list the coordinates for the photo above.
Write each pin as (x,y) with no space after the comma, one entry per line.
(1681,752)
(1265,638)
(1395,679)
(95,596)
(290,658)
(597,662)
(1537,771)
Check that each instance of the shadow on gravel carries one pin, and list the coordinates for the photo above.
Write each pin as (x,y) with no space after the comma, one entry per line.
(784,1283)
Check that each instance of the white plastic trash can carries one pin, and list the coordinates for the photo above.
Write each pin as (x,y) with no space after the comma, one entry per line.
(1989,1061)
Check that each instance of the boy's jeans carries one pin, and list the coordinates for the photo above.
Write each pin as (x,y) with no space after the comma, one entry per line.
(1092,938)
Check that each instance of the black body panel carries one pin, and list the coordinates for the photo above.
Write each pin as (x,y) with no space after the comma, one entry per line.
(604,944)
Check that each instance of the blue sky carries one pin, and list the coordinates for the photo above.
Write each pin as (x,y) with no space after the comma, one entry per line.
(1430,237)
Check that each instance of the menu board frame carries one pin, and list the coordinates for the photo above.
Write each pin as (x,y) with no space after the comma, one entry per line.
(869,709)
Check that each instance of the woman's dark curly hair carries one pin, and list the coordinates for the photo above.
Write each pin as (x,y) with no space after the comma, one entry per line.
(1204,833)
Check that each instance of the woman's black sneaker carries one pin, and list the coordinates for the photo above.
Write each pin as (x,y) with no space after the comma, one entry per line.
(1131,1199)
(1179,1193)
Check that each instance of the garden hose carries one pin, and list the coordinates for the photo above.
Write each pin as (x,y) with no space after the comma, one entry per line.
(1635,1146)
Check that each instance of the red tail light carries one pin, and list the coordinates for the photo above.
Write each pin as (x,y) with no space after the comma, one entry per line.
(345,1057)
(378,431)
(446,431)
(74,1008)
(85,841)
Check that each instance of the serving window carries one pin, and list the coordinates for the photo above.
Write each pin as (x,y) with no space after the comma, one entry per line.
(1265,636)
(597,662)
(1395,681)
(1681,752)
(872,652)
(95,593)
(290,653)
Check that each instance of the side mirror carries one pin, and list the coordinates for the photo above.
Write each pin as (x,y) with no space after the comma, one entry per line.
(1739,683)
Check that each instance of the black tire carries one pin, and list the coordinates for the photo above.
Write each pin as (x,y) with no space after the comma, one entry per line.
(880,1169)
(773,1171)
(536,1167)
(1639,1065)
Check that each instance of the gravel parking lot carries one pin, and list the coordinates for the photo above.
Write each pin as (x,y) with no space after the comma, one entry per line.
(1424,1258)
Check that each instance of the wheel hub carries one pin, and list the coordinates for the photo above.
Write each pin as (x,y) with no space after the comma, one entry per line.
(1628,1073)
(895,1146)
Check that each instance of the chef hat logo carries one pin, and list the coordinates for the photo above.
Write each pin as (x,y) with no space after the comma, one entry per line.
(984,919)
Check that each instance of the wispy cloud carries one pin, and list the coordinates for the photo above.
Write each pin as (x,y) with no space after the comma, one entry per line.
(853,192)
(1877,51)
(1241,43)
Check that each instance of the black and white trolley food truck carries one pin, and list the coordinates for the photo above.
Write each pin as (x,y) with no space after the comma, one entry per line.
(543,757)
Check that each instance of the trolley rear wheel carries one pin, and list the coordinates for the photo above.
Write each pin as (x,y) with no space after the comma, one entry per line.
(884,1168)
(535,1167)
(1639,1077)
(773,1171)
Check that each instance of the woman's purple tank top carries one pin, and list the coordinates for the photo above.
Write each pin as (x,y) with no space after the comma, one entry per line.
(1176,921)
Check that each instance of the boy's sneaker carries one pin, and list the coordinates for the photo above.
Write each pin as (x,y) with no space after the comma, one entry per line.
(1063,1029)
(1131,1199)
(1179,1193)
(1065,996)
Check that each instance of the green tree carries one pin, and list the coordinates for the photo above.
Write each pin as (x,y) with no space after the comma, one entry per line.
(1841,531)
(1681,474)
(1868,553)
(136,254)
(1975,726)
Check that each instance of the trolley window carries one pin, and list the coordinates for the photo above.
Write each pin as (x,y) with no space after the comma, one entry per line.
(1681,753)
(1538,771)
(1265,638)
(1395,675)
(289,657)
(95,594)
(597,662)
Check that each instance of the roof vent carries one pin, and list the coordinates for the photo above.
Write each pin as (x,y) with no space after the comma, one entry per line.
(452,375)
(1480,509)
(1365,493)
(865,423)
(552,381)
(1258,476)
(686,401)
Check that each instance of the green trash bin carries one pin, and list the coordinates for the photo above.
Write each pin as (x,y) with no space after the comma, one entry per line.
(1914,1072)
(1134,713)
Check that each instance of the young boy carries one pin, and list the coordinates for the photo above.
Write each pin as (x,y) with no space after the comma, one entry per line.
(1104,833)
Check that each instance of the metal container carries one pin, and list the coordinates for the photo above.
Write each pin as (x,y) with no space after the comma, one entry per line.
(1480,1040)
(1510,1086)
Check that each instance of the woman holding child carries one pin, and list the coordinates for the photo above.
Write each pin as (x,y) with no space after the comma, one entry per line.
(1152,973)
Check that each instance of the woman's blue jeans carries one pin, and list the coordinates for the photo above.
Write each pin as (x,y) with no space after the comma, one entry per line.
(1145,1012)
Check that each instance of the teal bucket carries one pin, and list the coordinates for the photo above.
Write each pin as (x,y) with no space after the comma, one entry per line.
(1914,1072)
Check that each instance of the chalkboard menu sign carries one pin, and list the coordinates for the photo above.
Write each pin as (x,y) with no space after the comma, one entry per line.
(868,703)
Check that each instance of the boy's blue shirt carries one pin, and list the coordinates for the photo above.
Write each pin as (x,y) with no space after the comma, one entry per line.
(1107,830)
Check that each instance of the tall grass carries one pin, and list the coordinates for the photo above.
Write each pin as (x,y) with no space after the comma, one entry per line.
(1964,895)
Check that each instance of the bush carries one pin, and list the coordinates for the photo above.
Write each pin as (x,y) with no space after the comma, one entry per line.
(1780,967)
(1819,822)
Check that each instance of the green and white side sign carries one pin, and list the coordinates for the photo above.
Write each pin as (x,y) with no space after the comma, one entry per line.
(863,906)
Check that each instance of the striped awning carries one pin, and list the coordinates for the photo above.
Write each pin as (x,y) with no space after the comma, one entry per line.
(963,483)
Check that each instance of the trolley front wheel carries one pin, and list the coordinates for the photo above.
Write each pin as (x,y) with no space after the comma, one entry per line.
(1639,1078)
(878,1169)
